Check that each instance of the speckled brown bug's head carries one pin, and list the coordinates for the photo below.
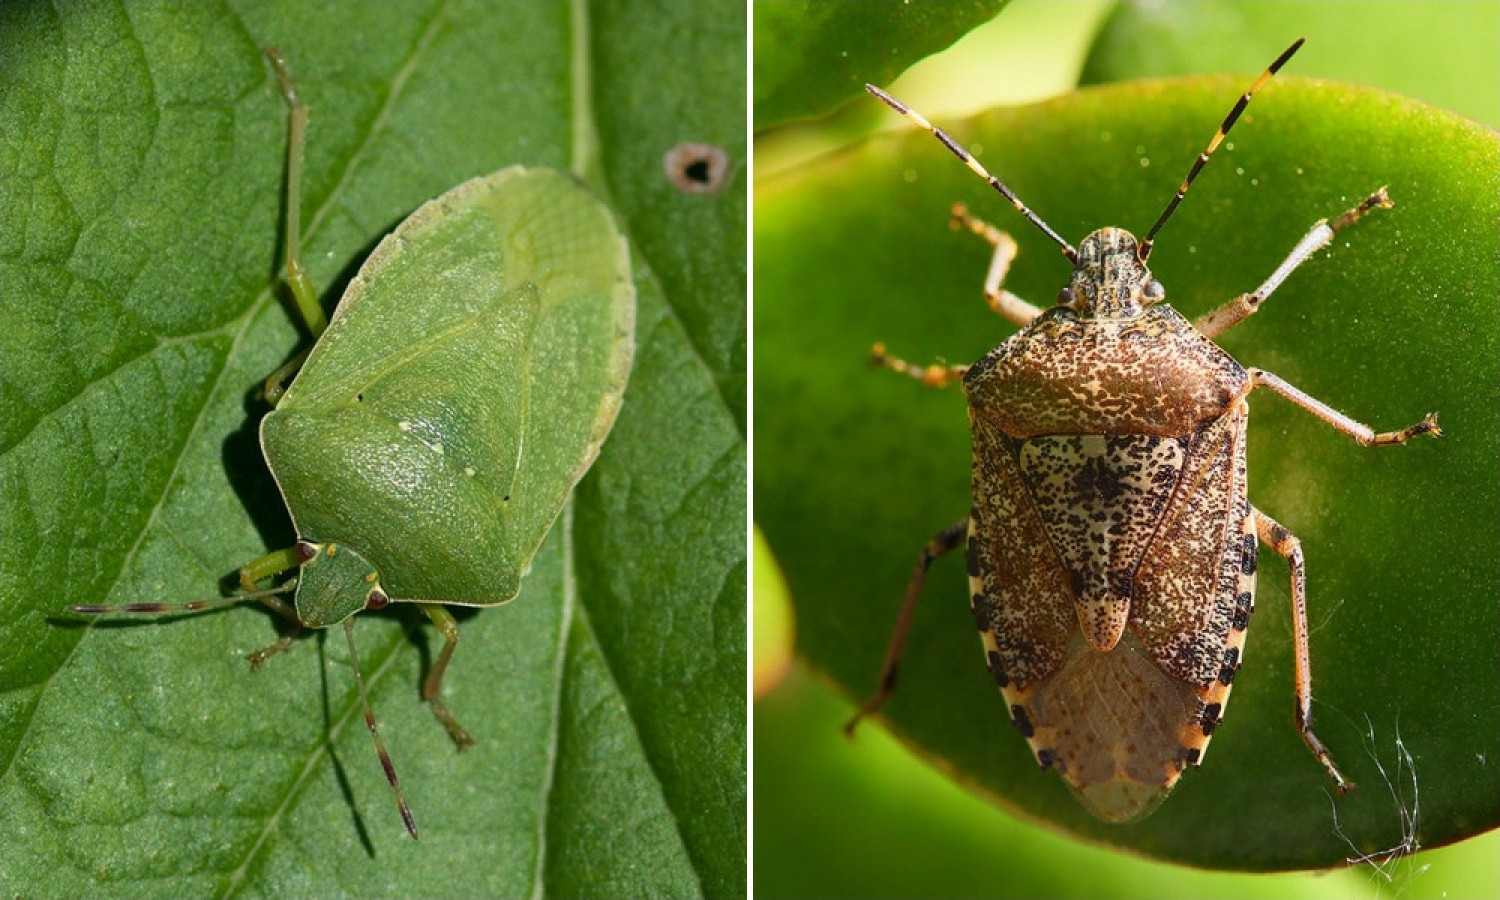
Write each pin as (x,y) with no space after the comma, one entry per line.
(1110,280)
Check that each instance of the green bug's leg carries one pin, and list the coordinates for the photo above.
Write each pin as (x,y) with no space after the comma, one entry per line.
(273,563)
(301,286)
(432,688)
(296,275)
(281,379)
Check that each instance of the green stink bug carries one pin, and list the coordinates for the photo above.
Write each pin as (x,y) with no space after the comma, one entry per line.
(466,381)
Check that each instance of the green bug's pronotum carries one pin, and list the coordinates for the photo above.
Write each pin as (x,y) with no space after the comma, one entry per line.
(466,381)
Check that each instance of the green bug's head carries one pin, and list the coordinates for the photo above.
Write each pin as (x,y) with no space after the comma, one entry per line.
(335,583)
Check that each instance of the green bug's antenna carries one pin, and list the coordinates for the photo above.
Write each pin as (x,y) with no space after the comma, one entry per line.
(974,166)
(269,597)
(1202,160)
(385,758)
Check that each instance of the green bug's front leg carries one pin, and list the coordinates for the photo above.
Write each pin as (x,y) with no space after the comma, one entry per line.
(273,563)
(296,275)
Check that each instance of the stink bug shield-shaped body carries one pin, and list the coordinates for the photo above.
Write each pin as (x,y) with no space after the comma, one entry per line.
(465,383)
(1111,543)
(467,419)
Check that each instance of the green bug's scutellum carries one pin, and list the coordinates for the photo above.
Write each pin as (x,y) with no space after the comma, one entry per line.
(427,442)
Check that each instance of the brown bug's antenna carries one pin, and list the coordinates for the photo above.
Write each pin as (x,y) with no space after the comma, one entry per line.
(974,166)
(1229,120)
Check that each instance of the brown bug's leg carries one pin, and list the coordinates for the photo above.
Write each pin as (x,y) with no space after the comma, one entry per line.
(1242,307)
(1003,302)
(934,376)
(1361,433)
(432,688)
(941,543)
(1273,535)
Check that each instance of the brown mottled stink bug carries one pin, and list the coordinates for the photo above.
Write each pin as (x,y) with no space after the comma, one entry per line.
(1111,543)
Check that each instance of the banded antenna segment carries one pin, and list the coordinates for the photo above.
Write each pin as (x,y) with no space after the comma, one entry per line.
(1213,144)
(946,140)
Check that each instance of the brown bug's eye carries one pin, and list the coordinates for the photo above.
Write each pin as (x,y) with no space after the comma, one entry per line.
(1153,291)
(1065,297)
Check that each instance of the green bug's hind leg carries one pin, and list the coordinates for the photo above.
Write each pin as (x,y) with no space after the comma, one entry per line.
(432,688)
(303,294)
(273,563)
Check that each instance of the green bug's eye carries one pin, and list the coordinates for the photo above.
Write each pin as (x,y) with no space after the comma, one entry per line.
(307,551)
(377,599)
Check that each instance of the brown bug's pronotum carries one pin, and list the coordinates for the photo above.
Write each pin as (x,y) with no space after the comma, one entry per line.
(1111,542)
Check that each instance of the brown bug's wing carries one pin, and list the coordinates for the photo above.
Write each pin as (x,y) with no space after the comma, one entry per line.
(1120,726)
(1196,588)
(1051,677)
(1109,722)
(1019,591)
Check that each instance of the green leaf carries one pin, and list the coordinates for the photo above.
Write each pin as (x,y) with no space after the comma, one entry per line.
(1420,50)
(142,190)
(812,56)
(885,824)
(857,469)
